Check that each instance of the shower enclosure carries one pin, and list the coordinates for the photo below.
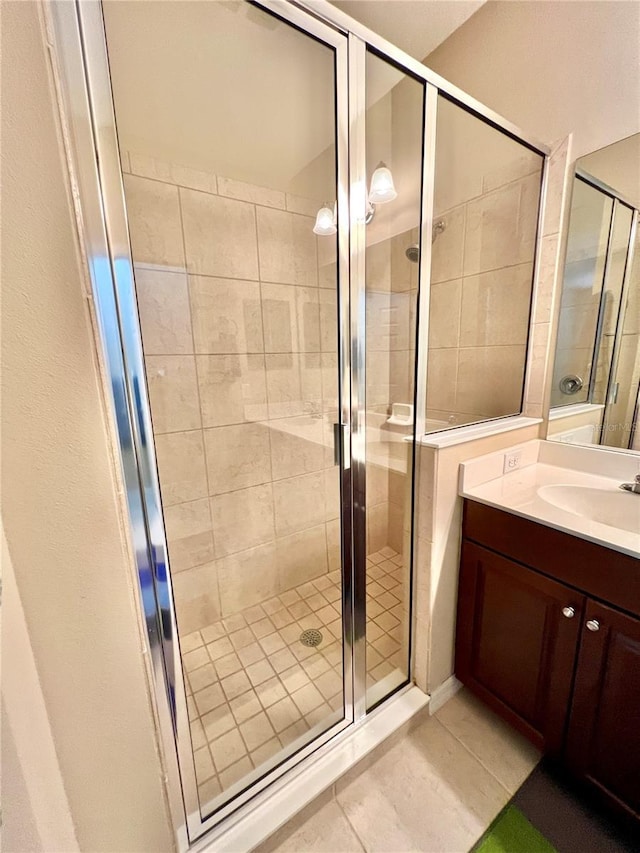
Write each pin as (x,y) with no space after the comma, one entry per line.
(256,185)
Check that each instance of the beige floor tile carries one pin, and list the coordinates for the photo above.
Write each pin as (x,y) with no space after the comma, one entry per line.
(259,672)
(427,793)
(209,698)
(265,752)
(209,790)
(328,684)
(219,648)
(283,714)
(307,698)
(507,755)
(282,660)
(190,642)
(198,738)
(228,665)
(236,684)
(202,677)
(253,614)
(236,772)
(226,750)
(324,830)
(195,659)
(263,627)
(250,654)
(281,618)
(256,731)
(203,764)
(243,637)
(213,632)
(294,678)
(271,691)
(217,722)
(293,732)
(245,706)
(272,643)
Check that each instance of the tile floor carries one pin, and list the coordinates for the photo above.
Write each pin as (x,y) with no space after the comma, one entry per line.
(253,688)
(435,788)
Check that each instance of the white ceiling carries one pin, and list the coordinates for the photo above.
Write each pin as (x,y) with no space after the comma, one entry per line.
(417,26)
(219,85)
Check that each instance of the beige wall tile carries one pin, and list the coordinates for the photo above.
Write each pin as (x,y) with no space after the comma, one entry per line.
(378,266)
(299,503)
(387,321)
(150,167)
(537,369)
(155,229)
(291,318)
(247,578)
(377,527)
(287,248)
(303,205)
(401,267)
(190,551)
(226,315)
(442,372)
(195,593)
(292,454)
(501,227)
(444,314)
(334,545)
(219,235)
(495,307)
(189,536)
(294,384)
(242,519)
(447,248)
(377,484)
(233,389)
(560,177)
(181,466)
(377,378)
(328,320)
(251,192)
(490,380)
(301,557)
(332,493)
(237,456)
(546,279)
(165,317)
(173,392)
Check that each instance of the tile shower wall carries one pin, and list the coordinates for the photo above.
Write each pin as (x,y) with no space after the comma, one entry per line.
(481,272)
(391,294)
(239,333)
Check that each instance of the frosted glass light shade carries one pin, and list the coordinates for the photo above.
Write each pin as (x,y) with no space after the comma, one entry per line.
(382,187)
(325,222)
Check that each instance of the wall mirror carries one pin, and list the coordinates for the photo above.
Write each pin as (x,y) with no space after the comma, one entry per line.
(596,369)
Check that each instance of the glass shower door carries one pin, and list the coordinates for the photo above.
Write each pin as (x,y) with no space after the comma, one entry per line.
(231,195)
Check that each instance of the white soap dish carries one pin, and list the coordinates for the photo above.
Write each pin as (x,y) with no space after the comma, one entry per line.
(401,414)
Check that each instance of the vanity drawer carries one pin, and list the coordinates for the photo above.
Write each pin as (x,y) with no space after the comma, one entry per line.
(601,572)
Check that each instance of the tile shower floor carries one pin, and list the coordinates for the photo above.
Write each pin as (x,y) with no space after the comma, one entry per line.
(253,688)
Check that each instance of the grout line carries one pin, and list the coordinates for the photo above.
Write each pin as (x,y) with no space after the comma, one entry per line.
(346,817)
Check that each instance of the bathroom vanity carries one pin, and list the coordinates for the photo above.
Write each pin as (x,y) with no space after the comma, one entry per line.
(549,621)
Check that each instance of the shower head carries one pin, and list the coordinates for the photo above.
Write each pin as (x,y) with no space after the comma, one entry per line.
(413,251)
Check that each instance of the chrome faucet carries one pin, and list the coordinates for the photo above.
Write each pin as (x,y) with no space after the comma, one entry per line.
(632,487)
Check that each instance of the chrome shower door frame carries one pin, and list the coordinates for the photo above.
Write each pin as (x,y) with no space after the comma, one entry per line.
(81,52)
(94,161)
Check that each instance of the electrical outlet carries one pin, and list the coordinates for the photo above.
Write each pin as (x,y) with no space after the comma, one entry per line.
(512,461)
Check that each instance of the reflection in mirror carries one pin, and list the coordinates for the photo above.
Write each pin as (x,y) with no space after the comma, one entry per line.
(596,374)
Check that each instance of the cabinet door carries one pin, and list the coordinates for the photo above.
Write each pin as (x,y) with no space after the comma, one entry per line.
(516,642)
(603,744)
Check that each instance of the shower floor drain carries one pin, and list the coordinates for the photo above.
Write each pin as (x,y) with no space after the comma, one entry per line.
(311,637)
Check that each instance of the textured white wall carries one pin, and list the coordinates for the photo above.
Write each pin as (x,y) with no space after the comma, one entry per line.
(61,508)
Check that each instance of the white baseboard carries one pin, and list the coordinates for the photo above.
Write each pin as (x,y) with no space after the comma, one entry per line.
(443,693)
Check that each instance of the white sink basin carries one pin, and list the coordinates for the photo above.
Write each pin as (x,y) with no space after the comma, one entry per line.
(615,508)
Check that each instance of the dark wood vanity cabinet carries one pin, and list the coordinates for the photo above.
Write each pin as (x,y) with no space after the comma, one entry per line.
(539,642)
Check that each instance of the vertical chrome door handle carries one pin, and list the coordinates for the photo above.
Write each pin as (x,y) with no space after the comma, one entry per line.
(341,445)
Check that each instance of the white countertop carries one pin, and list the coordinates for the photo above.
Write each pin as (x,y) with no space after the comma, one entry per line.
(521,492)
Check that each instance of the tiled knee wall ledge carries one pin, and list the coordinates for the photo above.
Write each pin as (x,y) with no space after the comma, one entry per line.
(269,811)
